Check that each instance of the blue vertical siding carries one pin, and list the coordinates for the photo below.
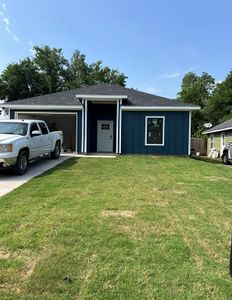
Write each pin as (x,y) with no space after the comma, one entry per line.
(176,135)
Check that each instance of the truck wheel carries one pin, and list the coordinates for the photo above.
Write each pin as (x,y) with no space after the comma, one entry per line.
(225,159)
(56,153)
(22,163)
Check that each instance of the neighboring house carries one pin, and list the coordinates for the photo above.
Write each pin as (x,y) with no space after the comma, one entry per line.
(3,113)
(109,118)
(219,136)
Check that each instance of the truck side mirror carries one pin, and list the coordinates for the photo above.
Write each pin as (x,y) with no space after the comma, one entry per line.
(35,133)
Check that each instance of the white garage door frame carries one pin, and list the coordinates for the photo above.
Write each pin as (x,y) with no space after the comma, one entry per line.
(17,113)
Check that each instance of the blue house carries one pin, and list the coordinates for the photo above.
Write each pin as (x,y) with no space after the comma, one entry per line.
(108,118)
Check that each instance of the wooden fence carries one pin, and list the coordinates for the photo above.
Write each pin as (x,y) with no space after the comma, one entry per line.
(199,145)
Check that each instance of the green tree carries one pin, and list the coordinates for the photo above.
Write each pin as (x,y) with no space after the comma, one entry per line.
(53,65)
(197,90)
(21,80)
(219,108)
(49,72)
(82,74)
(100,74)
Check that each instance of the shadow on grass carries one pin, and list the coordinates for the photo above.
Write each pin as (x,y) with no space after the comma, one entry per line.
(65,165)
(207,159)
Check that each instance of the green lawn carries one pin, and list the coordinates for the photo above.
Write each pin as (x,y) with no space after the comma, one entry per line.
(133,227)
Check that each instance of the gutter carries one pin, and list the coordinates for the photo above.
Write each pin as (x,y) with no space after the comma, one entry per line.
(217,130)
(160,108)
(42,107)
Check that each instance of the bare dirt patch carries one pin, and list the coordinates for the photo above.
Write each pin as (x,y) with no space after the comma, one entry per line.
(161,203)
(118,213)
(5,254)
(29,263)
(217,178)
(179,192)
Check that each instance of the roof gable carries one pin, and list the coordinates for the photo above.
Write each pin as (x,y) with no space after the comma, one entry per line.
(227,125)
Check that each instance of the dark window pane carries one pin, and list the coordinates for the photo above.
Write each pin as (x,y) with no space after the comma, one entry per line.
(34,127)
(155,131)
(43,128)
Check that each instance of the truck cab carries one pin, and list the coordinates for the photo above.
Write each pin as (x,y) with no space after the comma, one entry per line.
(24,140)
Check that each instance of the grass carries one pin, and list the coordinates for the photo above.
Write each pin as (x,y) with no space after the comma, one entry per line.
(125,228)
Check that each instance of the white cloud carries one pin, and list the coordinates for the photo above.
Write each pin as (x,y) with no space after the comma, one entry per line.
(4,7)
(173,75)
(15,38)
(152,90)
(7,29)
(6,21)
(167,75)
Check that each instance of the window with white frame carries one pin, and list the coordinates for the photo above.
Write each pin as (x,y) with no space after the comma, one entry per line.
(154,131)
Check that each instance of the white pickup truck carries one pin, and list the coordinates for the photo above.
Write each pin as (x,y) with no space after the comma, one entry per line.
(25,140)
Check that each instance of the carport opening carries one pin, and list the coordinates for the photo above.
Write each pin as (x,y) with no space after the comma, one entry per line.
(63,122)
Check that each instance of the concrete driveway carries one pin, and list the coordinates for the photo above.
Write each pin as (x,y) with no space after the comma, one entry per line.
(9,182)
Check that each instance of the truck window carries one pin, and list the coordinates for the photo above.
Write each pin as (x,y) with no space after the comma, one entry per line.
(43,128)
(34,126)
(13,128)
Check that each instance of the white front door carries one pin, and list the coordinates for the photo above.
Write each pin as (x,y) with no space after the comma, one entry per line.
(105,136)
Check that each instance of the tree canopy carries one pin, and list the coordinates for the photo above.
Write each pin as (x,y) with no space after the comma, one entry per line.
(197,90)
(219,108)
(48,71)
(215,99)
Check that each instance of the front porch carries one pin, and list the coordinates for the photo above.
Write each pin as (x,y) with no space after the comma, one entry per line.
(101,129)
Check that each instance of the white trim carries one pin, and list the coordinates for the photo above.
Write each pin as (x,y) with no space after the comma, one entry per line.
(218,130)
(163,130)
(120,129)
(117,124)
(190,126)
(77,136)
(43,107)
(160,108)
(102,97)
(43,112)
(82,130)
(86,123)
(16,114)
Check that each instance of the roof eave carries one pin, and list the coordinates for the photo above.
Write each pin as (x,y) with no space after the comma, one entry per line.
(42,107)
(161,108)
(217,130)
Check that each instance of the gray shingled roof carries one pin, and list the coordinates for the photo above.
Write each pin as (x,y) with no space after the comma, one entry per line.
(134,97)
(220,127)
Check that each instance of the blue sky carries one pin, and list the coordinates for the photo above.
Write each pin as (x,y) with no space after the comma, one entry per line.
(154,42)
